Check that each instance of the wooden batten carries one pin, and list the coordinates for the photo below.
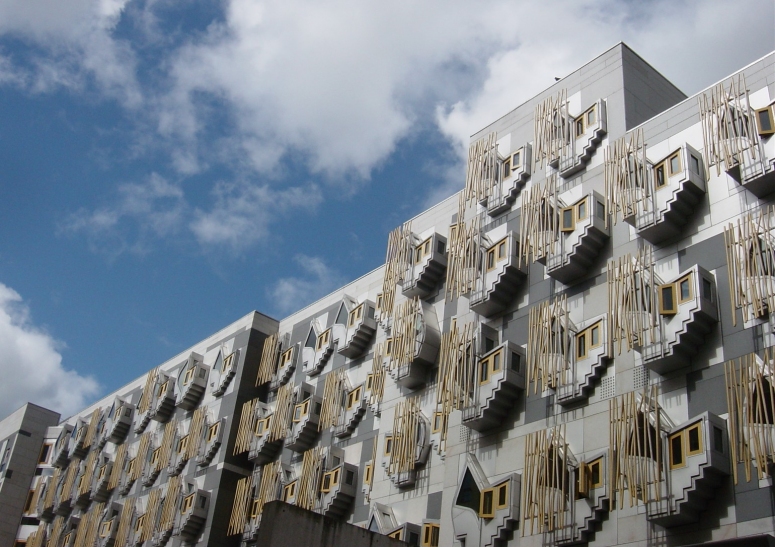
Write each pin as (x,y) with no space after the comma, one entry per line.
(165,448)
(751,405)
(373,463)
(482,171)
(142,452)
(195,431)
(539,227)
(118,466)
(406,429)
(283,412)
(48,499)
(377,375)
(247,425)
(86,534)
(397,262)
(125,522)
(269,359)
(728,124)
(552,128)
(463,259)
(37,538)
(91,431)
(309,480)
(154,500)
(632,307)
(548,348)
(333,393)
(145,399)
(57,528)
(750,249)
(628,188)
(635,449)
(242,499)
(407,317)
(456,374)
(72,473)
(170,505)
(547,488)
(88,473)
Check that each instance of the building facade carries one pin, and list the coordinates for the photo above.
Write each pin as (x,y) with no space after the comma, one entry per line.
(575,349)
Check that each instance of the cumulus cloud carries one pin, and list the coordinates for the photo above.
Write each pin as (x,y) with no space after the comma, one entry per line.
(293,293)
(31,364)
(140,213)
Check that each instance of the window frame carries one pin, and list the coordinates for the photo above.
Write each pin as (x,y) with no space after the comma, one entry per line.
(286,357)
(323,339)
(396,534)
(769,110)
(664,310)
(189,375)
(506,167)
(188,503)
(212,432)
(516,164)
(430,534)
(353,397)
(183,443)
(387,449)
(698,427)
(368,473)
(103,533)
(688,279)
(669,161)
(487,493)
(289,490)
(671,453)
(304,407)
(568,227)
(355,314)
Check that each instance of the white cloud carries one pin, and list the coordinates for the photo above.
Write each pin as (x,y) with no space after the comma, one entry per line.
(293,293)
(31,364)
(141,212)
(242,212)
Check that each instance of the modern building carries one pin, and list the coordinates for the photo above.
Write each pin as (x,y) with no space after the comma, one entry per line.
(575,349)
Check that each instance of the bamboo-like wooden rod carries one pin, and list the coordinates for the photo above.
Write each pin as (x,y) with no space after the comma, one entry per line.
(154,499)
(728,125)
(547,488)
(145,399)
(125,522)
(549,345)
(333,393)
(456,377)
(170,506)
(283,412)
(165,448)
(377,375)
(56,531)
(406,429)
(552,129)
(373,463)
(407,324)
(118,466)
(51,489)
(482,171)
(270,356)
(195,432)
(750,250)
(397,262)
(628,184)
(632,307)
(91,431)
(141,456)
(72,473)
(309,480)
(247,425)
(464,257)
(539,227)
(88,472)
(242,497)
(87,529)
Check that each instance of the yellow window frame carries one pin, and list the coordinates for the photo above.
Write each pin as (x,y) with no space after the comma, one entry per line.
(676,450)
(189,375)
(183,444)
(287,356)
(155,456)
(698,428)
(516,160)
(665,307)
(254,508)
(507,167)
(300,411)
(369,381)
(188,503)
(501,495)
(355,315)
(367,473)
(105,528)
(323,339)
(567,219)
(228,361)
(422,250)
(103,470)
(487,503)
(139,523)
(388,347)
(289,490)
(679,166)
(212,431)
(679,293)
(388,449)
(162,389)
(353,397)
(430,535)
(330,480)
(396,534)
(378,304)
(438,422)
(771,120)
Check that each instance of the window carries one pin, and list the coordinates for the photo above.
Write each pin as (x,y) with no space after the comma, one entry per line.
(369,381)
(439,422)
(301,410)
(349,477)
(587,339)
(105,528)
(694,164)
(379,301)
(687,442)
(591,116)
(496,253)
(486,503)
(331,480)
(182,444)
(694,440)
(507,167)
(102,472)
(140,523)
(162,388)
(600,210)
(388,444)
(422,250)
(765,122)
(581,210)
(28,503)
(355,315)
(43,458)
(676,450)
(188,376)
(155,456)
(515,359)
(396,534)
(228,361)
(667,299)
(718,439)
(568,223)
(590,476)
(586,120)
(490,365)
(289,491)
(286,357)
(188,503)
(516,159)
(212,432)
(388,347)
(354,397)
(323,339)
(674,163)
(131,467)
(684,289)
(430,535)
(262,426)
(367,474)
(580,127)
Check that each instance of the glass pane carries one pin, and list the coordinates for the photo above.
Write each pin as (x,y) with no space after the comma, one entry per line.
(567,218)
(694,439)
(676,450)
(595,472)
(502,490)
(583,210)
(591,117)
(667,298)
(487,503)
(765,124)
(707,290)
(685,289)
(675,164)
(660,173)
(595,336)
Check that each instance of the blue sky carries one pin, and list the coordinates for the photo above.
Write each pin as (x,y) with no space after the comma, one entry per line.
(169,166)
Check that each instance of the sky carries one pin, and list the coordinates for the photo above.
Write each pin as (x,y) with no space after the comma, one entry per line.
(168,166)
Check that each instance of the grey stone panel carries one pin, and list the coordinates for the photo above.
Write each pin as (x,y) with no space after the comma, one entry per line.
(225,339)
(755,504)
(706,390)
(434,506)
(710,254)
(537,408)
(739,344)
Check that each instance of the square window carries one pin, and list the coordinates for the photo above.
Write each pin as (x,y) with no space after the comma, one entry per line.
(600,210)
(667,300)
(567,220)
(764,121)
(507,168)
(707,290)
(503,495)
(515,361)
(595,473)
(718,439)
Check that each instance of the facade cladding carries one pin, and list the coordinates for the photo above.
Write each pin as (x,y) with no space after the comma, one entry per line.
(577,348)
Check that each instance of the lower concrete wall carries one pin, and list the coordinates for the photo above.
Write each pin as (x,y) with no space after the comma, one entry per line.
(284,525)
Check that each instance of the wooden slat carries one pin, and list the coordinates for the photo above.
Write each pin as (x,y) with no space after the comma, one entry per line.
(628,184)
(166,446)
(247,425)
(405,330)
(125,522)
(283,413)
(242,497)
(145,399)
(463,258)
(406,424)
(552,129)
(549,345)
(377,375)
(333,395)
(397,263)
(170,505)
(309,480)
(91,431)
(632,300)
(118,466)
(547,487)
(195,432)
(270,356)
(539,228)
(154,500)
(141,456)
